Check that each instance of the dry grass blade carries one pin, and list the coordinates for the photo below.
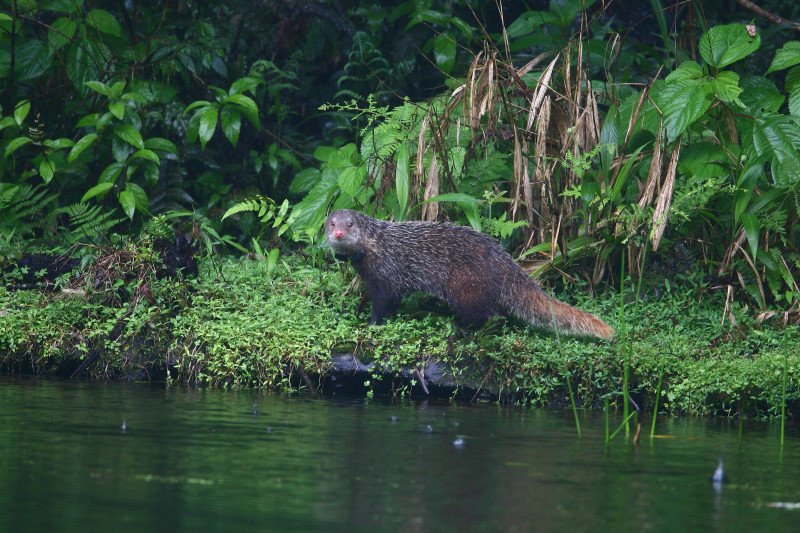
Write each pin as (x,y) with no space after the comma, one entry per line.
(522,178)
(527,67)
(665,198)
(654,174)
(755,273)
(431,210)
(727,259)
(540,164)
(422,148)
(481,82)
(589,121)
(540,92)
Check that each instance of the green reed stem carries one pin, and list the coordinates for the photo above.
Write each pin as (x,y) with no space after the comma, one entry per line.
(574,408)
(658,397)
(624,424)
(625,408)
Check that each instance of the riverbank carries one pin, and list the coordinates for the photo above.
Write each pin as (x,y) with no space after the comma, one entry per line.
(242,323)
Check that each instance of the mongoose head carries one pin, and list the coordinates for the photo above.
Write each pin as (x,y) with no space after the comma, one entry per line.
(344,233)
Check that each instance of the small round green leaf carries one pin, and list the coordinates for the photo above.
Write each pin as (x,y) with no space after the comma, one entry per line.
(117,109)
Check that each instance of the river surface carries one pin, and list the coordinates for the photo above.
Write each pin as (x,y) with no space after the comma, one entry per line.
(78,456)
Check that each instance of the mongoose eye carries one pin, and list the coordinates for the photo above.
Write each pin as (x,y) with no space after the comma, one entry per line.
(349,224)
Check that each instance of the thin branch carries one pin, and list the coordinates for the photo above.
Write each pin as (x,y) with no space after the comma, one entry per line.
(747,4)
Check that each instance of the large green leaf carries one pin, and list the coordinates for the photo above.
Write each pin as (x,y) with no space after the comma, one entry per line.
(683,103)
(15,144)
(208,123)
(723,45)
(688,70)
(351,179)
(32,59)
(128,203)
(110,173)
(21,111)
(444,51)
(130,135)
(453,197)
(146,154)
(82,144)
(231,123)
(778,137)
(61,32)
(402,178)
(99,87)
(139,196)
(528,22)
(313,208)
(794,101)
(704,160)
(751,229)
(760,94)
(304,180)
(726,87)
(47,168)
(58,144)
(104,21)
(98,190)
(159,143)
(117,109)
(248,107)
(787,56)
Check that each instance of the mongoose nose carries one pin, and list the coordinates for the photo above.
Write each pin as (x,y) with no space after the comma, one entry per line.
(338,234)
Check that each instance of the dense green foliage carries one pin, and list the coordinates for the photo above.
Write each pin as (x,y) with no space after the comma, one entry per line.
(577,133)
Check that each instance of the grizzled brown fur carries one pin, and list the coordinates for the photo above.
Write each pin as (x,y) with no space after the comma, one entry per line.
(463,267)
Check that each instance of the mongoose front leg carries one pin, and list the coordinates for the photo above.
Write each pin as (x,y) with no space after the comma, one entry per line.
(382,307)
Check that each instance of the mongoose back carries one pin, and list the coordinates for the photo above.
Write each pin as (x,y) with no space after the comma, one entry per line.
(465,268)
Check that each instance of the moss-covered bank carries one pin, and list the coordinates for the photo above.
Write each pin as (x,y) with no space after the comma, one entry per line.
(240,324)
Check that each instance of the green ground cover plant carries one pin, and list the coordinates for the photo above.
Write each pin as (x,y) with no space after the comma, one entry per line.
(239,325)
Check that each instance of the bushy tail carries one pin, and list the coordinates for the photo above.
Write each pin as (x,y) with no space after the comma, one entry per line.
(543,311)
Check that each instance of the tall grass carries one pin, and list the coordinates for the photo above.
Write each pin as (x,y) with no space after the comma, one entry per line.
(658,397)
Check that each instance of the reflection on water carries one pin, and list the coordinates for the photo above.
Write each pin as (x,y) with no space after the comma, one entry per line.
(77,456)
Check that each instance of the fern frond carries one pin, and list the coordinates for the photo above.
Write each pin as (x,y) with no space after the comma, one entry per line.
(89,222)
(263,205)
(21,207)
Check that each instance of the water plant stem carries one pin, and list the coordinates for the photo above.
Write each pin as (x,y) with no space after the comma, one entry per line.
(658,397)
(575,409)
(625,372)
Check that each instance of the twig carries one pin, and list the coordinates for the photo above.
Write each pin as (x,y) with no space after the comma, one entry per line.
(747,4)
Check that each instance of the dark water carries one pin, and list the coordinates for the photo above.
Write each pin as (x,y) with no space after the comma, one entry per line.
(201,460)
